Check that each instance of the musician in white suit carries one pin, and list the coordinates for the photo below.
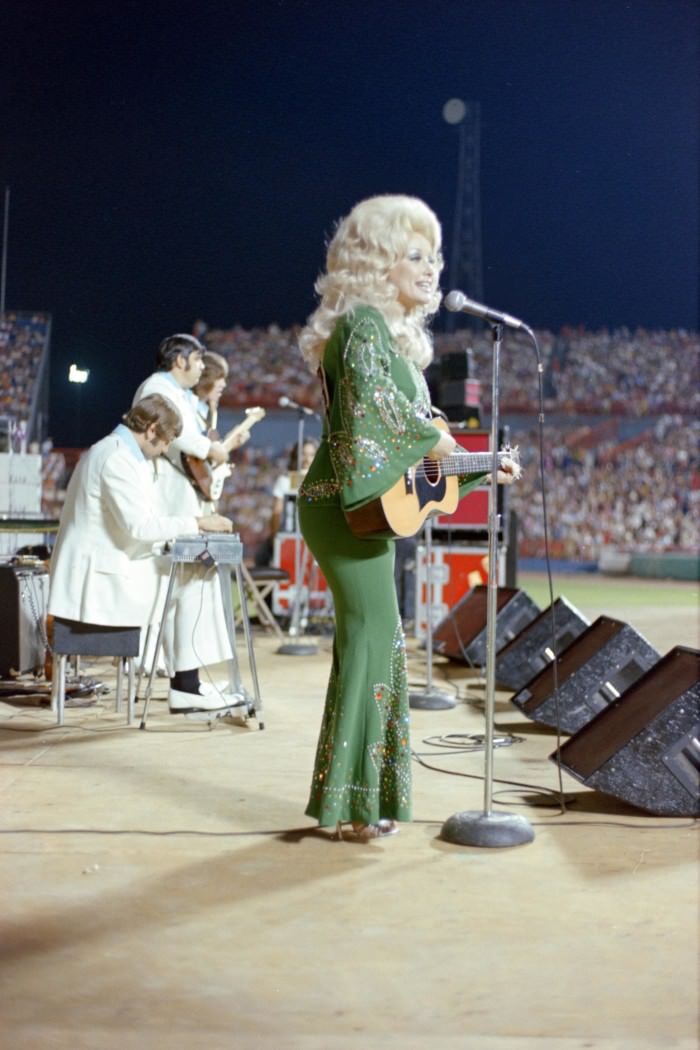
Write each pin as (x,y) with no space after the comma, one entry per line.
(195,624)
(103,570)
(180,364)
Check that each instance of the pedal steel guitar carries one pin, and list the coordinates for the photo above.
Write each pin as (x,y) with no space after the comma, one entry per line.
(220,550)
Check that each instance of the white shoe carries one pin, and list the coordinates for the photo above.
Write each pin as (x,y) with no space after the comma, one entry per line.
(207,699)
(233,698)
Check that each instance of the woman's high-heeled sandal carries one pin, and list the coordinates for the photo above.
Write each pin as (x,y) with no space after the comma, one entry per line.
(365,832)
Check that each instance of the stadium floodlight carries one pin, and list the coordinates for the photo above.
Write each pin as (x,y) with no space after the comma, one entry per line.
(454,111)
(78,375)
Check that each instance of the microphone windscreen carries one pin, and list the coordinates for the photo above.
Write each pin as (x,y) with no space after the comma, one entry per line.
(454,301)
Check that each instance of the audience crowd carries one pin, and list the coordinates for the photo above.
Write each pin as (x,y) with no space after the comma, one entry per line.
(23,339)
(638,494)
(622,373)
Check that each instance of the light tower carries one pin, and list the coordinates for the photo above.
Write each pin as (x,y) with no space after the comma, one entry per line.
(465,267)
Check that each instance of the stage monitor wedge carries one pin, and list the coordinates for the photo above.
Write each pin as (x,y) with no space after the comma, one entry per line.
(592,672)
(538,643)
(461,635)
(644,747)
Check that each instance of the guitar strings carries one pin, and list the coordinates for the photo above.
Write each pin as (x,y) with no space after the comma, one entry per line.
(468,464)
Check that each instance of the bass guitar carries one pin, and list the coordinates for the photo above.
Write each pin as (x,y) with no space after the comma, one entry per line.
(208,478)
(430,487)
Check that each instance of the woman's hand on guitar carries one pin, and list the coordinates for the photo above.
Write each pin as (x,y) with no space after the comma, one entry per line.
(508,472)
(445,446)
(215,523)
(218,453)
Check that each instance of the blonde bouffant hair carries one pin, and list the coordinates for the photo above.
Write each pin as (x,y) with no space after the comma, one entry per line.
(367,243)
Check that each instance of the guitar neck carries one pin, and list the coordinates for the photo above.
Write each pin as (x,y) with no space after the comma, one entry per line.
(241,428)
(467,463)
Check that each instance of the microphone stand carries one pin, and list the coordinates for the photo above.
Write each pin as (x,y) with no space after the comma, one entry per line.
(486,828)
(429,699)
(297,648)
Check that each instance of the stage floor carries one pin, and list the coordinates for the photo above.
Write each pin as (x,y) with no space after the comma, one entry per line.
(163,889)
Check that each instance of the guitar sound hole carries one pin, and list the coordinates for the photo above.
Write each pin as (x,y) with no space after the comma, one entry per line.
(431,470)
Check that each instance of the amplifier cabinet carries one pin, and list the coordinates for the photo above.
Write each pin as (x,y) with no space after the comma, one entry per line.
(314,592)
(24,597)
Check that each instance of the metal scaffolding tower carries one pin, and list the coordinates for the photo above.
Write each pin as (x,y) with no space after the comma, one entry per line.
(465,269)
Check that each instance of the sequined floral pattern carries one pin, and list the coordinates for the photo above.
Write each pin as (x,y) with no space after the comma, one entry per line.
(379,784)
(392,756)
(379,425)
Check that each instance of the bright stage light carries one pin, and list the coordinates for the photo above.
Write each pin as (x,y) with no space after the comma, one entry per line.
(78,375)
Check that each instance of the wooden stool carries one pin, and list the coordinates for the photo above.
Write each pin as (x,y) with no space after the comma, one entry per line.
(260,582)
(74,638)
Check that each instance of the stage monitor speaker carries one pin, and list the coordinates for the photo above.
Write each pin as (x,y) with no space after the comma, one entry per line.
(592,672)
(24,593)
(461,635)
(644,747)
(538,643)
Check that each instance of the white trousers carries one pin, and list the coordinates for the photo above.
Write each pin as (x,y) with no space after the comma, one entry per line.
(194,634)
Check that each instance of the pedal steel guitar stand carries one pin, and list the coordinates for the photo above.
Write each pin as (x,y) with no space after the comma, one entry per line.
(222,550)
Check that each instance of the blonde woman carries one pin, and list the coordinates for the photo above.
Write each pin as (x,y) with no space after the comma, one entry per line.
(368,341)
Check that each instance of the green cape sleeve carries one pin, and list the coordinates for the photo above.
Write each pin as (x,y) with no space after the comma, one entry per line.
(376,430)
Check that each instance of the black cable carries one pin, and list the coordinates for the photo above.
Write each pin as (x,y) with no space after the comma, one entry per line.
(550,586)
(692,823)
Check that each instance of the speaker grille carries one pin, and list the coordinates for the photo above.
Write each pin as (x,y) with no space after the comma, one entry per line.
(644,747)
(593,672)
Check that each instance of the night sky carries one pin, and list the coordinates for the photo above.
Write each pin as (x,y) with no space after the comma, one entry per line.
(170,161)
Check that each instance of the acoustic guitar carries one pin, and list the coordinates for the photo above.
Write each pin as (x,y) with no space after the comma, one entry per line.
(430,487)
(208,478)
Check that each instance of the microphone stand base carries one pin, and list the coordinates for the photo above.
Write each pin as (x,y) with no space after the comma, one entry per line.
(476,828)
(296,649)
(431,700)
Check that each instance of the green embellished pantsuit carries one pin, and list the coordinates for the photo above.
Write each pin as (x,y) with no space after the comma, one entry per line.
(377,426)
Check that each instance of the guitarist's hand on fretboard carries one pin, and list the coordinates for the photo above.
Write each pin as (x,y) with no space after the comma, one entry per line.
(218,453)
(508,472)
(239,439)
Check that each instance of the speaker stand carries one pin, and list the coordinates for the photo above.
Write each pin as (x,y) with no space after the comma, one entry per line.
(429,699)
(486,828)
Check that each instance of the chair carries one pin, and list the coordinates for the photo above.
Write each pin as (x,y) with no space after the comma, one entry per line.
(74,638)
(259,583)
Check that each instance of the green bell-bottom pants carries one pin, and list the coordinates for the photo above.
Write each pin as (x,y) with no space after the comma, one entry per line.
(363,760)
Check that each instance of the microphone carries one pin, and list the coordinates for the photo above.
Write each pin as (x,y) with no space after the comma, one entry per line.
(457,302)
(286,402)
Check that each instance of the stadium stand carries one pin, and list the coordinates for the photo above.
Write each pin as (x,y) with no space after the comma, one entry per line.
(621,436)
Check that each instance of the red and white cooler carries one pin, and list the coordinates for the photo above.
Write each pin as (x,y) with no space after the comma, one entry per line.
(455,570)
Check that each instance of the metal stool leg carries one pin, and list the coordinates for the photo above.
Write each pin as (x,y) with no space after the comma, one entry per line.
(142,661)
(131,696)
(120,675)
(58,687)
(126,665)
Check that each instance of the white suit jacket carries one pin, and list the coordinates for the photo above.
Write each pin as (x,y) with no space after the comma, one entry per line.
(176,493)
(102,568)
